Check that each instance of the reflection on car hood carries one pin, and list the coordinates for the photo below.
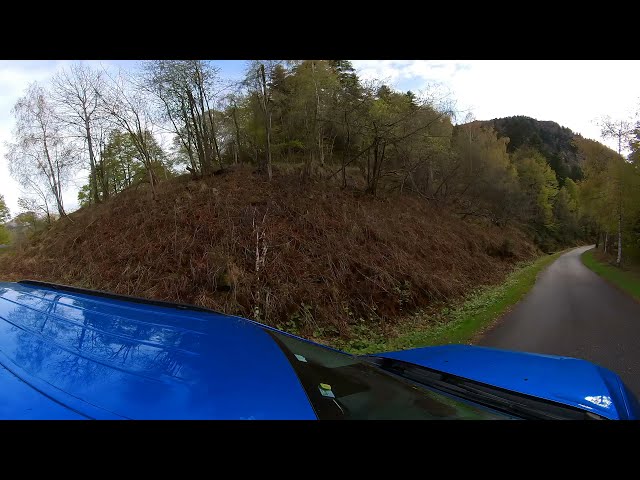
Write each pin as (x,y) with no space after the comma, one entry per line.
(70,355)
(561,379)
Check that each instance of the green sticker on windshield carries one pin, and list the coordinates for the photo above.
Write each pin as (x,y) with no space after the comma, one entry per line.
(300,357)
(325,390)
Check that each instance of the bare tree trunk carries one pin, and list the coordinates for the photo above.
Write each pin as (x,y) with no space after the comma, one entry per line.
(76,91)
(267,115)
(128,174)
(269,172)
(606,241)
(331,147)
(431,179)
(206,138)
(235,123)
(104,172)
(320,148)
(346,152)
(215,141)
(378,170)
(619,259)
(152,182)
(57,191)
(369,167)
(316,113)
(206,108)
(92,162)
(190,143)
(622,132)
(198,136)
(372,170)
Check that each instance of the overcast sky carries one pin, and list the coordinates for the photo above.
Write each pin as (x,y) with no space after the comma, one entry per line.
(573,93)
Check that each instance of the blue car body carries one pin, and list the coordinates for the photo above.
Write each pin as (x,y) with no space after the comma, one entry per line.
(565,380)
(67,353)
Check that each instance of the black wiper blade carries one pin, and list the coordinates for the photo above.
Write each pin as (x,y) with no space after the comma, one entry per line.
(507,401)
(518,404)
(499,403)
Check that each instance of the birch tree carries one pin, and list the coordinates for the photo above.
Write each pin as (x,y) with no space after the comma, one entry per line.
(76,92)
(41,158)
(621,131)
(256,81)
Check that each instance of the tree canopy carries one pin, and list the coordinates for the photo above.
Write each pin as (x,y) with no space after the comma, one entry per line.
(175,117)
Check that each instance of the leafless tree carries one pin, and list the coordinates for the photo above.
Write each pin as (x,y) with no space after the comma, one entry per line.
(267,117)
(36,205)
(256,82)
(129,109)
(236,129)
(40,155)
(185,92)
(76,93)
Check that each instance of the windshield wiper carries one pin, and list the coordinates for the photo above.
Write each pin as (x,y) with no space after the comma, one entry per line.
(506,401)
(494,401)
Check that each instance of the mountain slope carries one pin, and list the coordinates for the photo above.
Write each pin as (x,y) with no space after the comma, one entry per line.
(549,138)
(307,257)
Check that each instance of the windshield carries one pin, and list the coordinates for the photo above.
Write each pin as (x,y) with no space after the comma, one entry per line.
(341,386)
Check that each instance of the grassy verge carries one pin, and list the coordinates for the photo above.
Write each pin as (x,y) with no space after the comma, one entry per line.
(456,323)
(626,280)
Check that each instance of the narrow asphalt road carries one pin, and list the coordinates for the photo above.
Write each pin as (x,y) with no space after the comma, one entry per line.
(571,311)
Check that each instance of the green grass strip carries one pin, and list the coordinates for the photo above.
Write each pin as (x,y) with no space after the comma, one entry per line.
(461,322)
(624,279)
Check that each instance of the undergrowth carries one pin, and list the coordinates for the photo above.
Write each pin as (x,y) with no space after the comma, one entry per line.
(456,322)
(306,257)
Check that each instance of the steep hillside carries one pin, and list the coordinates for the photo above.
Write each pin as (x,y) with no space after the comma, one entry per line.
(552,140)
(310,257)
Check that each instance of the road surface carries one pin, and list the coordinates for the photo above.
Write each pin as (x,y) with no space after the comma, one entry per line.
(571,311)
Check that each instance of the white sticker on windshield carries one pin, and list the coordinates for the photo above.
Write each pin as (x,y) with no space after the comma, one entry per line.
(300,357)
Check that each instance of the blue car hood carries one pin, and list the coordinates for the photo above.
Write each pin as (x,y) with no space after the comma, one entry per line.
(70,355)
(564,380)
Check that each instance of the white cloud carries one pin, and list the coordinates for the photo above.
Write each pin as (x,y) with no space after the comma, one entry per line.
(386,70)
(573,93)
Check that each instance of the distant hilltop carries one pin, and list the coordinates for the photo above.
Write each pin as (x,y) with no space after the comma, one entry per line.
(552,140)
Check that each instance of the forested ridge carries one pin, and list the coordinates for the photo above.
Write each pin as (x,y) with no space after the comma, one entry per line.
(556,143)
(300,195)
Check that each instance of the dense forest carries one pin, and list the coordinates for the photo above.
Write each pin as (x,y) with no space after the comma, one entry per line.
(556,143)
(316,121)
